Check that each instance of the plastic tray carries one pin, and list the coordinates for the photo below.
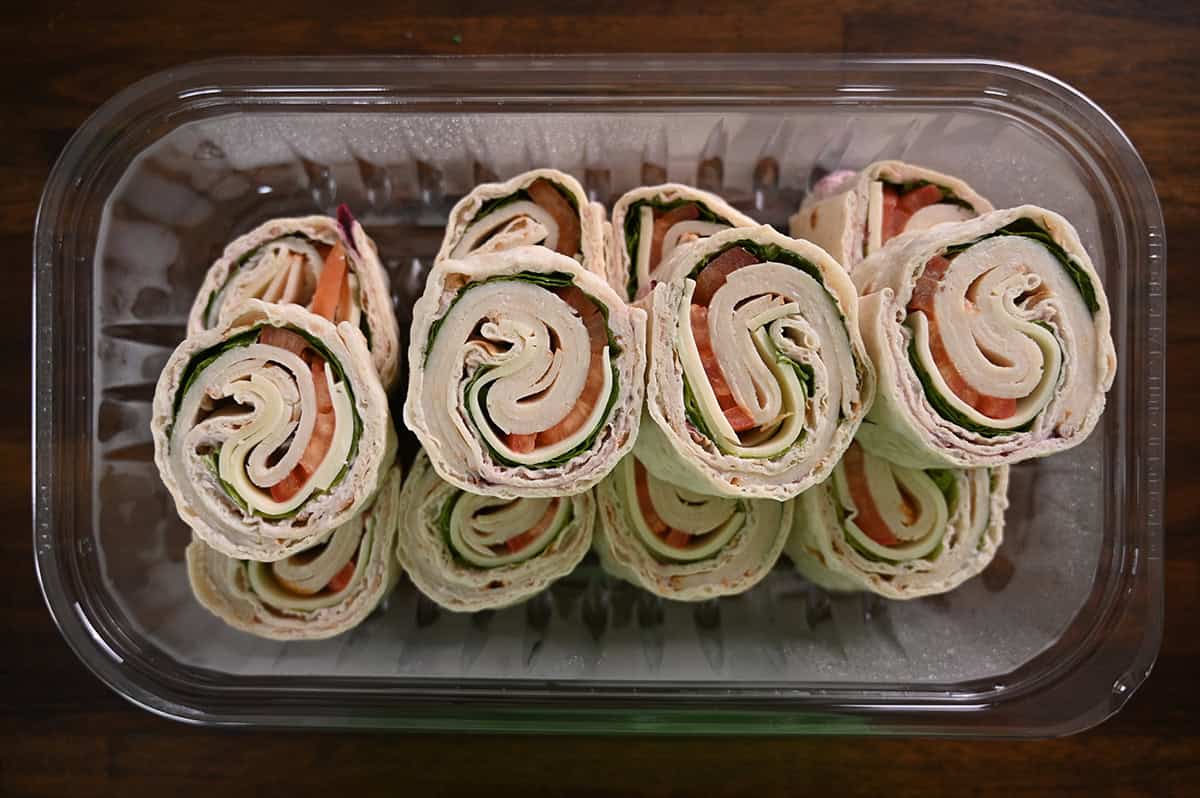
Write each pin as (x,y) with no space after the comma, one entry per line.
(1053,638)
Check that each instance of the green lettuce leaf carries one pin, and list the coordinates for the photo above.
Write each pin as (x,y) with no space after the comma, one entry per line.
(691,411)
(203,359)
(946,483)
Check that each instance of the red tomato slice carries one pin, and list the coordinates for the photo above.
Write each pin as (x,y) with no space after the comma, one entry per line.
(919,198)
(329,285)
(927,285)
(597,330)
(341,579)
(868,519)
(645,505)
(664,223)
(713,276)
(738,418)
(321,386)
(544,194)
(287,487)
(997,407)
(318,443)
(344,303)
(894,218)
(522,444)
(519,542)
(677,540)
(922,300)
(515,544)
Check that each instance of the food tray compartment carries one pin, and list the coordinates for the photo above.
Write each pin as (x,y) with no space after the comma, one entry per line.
(1052,638)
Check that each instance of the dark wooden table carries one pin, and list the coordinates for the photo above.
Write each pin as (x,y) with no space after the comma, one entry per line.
(63,733)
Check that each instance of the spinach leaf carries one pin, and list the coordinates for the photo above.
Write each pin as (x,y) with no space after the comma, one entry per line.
(233,495)
(946,483)
(443,521)
(804,373)
(691,411)
(499,202)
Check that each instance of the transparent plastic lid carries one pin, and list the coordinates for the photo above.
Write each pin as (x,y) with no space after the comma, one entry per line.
(1052,638)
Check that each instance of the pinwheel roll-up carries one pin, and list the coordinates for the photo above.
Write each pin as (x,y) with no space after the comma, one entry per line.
(542,207)
(469,552)
(684,545)
(526,374)
(899,532)
(853,214)
(283,261)
(271,431)
(758,378)
(991,340)
(313,594)
(649,223)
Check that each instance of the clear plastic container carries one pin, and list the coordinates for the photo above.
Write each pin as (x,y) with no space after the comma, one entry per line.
(1053,638)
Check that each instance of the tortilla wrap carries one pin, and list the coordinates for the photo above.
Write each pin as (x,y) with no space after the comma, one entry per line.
(494,217)
(943,526)
(281,261)
(233,417)
(314,594)
(758,378)
(844,213)
(1021,327)
(512,391)
(684,545)
(683,214)
(469,552)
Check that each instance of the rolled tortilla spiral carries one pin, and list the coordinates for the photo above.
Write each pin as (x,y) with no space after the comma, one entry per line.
(313,594)
(541,207)
(899,532)
(681,544)
(281,260)
(469,552)
(526,374)
(651,222)
(234,416)
(991,338)
(851,215)
(758,378)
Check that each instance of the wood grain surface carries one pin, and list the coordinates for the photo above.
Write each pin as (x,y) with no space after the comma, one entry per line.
(63,733)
